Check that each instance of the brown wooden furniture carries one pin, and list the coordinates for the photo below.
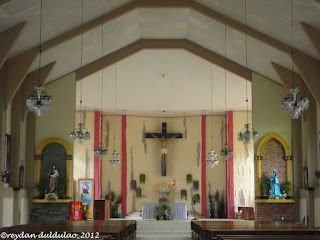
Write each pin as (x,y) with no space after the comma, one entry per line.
(214,229)
(104,229)
(247,213)
(163,200)
(101,209)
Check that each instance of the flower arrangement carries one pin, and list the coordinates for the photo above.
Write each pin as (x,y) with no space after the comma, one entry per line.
(51,197)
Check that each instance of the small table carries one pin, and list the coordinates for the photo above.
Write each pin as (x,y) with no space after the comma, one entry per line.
(179,210)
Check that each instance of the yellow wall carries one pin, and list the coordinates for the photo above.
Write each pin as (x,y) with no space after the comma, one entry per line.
(59,121)
(243,161)
(111,177)
(184,157)
(83,154)
(266,109)
(216,176)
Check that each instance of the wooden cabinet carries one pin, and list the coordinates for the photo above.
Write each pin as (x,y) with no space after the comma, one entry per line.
(101,209)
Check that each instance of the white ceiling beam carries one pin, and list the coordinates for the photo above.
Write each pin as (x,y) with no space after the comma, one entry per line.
(4,1)
(14,72)
(142,44)
(7,38)
(313,35)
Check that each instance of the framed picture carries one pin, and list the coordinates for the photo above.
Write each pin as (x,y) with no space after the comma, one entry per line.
(85,186)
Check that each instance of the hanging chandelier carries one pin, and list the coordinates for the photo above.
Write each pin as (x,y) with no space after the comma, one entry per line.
(80,134)
(246,134)
(101,151)
(225,152)
(291,105)
(39,101)
(212,159)
(115,157)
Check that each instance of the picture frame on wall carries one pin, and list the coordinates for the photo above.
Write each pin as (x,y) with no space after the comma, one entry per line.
(86,187)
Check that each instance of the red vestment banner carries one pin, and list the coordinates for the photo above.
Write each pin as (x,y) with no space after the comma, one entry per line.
(76,211)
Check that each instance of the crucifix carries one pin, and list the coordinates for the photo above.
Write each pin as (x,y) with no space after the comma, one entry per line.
(164,138)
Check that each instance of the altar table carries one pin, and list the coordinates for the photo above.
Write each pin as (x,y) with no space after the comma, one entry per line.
(179,210)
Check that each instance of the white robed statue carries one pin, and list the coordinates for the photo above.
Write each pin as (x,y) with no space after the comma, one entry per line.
(53,178)
(274,185)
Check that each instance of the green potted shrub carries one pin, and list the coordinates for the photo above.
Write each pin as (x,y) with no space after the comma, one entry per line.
(210,199)
(196,197)
(286,187)
(142,178)
(264,186)
(189,178)
(41,187)
(217,196)
(85,205)
(138,192)
(166,210)
(158,212)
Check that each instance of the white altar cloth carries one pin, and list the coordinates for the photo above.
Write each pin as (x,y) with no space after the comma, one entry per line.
(179,210)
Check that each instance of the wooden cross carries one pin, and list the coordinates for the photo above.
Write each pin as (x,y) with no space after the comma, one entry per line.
(164,138)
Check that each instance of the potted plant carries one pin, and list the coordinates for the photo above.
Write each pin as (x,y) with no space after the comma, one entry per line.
(166,210)
(196,197)
(115,201)
(85,205)
(62,187)
(142,178)
(138,192)
(286,187)
(158,213)
(189,178)
(216,196)
(264,184)
(41,187)
(210,200)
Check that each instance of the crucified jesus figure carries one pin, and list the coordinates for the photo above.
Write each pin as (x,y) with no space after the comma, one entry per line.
(164,151)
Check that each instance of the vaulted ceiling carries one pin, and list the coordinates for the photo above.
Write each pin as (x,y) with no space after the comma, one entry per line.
(176,78)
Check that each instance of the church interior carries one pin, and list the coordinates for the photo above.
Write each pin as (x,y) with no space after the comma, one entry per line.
(177,110)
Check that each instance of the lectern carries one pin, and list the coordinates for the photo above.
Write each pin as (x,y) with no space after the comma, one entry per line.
(101,209)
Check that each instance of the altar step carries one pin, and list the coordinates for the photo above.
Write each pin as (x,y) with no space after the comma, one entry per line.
(153,229)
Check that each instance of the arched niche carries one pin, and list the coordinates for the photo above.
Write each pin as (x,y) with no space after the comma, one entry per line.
(259,158)
(54,151)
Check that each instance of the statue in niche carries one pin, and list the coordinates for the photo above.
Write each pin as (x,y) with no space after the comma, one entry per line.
(53,178)
(274,186)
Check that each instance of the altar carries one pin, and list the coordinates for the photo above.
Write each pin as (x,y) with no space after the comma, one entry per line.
(179,210)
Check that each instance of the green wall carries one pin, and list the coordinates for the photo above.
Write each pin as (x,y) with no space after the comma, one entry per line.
(267,116)
(59,121)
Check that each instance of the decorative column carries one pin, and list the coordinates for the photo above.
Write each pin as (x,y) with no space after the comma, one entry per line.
(203,168)
(258,174)
(289,171)
(96,161)
(231,167)
(124,166)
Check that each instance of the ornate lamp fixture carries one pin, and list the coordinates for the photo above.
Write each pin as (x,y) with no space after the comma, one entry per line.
(212,157)
(39,101)
(225,152)
(80,134)
(101,151)
(245,134)
(115,157)
(290,104)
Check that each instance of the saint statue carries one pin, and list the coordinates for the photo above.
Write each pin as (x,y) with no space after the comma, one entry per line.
(53,178)
(274,185)
(164,151)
